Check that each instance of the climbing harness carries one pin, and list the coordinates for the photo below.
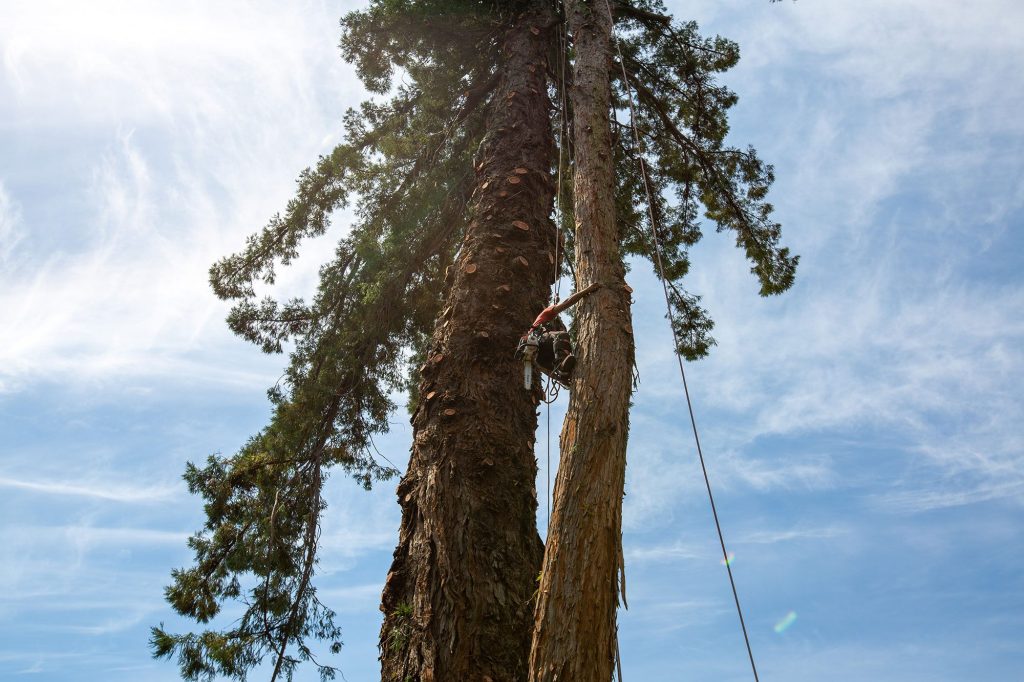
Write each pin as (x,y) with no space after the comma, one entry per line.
(530,343)
(538,349)
(682,372)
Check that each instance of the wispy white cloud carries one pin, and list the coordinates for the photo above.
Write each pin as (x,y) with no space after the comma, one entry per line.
(105,490)
(357,523)
(687,550)
(771,537)
(36,667)
(943,496)
(353,598)
(107,626)
(10,224)
(243,98)
(677,551)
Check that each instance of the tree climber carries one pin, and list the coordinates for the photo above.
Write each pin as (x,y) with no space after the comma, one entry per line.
(554,348)
(547,341)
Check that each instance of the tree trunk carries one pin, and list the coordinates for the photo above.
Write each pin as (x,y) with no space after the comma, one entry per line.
(574,628)
(457,600)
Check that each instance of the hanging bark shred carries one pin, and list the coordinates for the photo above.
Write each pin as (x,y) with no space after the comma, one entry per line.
(457,601)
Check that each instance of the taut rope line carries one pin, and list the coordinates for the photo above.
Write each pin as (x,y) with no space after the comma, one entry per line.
(682,372)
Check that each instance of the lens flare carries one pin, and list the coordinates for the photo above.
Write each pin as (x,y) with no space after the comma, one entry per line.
(728,560)
(786,621)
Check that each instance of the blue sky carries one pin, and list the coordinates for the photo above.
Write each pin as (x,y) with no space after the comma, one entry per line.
(863,432)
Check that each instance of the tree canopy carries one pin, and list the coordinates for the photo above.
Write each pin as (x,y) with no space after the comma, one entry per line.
(406,169)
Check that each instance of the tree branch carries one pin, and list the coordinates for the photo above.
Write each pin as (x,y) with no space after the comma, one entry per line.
(624,9)
(651,100)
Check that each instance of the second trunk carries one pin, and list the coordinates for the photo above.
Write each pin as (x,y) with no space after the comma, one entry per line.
(574,635)
(457,599)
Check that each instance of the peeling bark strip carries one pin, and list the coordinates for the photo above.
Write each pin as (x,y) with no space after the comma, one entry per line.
(457,601)
(574,626)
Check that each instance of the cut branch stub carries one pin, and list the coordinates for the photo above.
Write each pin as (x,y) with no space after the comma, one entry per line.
(449,412)
(521,171)
(431,395)
(522,261)
(513,180)
(471,268)
(521,225)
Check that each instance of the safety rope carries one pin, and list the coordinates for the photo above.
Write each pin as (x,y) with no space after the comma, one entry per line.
(551,388)
(562,134)
(679,359)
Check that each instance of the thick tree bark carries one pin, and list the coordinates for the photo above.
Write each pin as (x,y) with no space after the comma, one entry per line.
(574,635)
(457,600)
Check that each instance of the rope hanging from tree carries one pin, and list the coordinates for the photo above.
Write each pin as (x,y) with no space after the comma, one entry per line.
(682,371)
(551,388)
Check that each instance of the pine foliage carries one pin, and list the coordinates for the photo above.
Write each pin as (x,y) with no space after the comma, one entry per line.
(682,117)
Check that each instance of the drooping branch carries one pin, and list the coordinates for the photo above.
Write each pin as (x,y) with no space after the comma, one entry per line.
(759,236)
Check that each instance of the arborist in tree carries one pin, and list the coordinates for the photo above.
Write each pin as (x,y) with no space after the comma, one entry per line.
(547,342)
(554,349)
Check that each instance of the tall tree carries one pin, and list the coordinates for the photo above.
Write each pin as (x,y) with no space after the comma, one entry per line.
(451,177)
(678,144)
(574,637)
(457,598)
(451,254)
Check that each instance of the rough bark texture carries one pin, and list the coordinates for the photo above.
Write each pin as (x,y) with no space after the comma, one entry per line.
(457,600)
(574,636)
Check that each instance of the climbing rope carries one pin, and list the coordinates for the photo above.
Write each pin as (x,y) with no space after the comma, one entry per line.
(679,359)
(551,387)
